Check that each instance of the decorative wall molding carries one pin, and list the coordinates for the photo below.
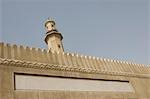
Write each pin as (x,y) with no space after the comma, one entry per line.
(36,65)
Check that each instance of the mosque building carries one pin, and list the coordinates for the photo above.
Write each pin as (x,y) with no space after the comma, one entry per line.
(34,73)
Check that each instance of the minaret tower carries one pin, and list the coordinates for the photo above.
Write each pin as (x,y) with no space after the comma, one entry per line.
(53,38)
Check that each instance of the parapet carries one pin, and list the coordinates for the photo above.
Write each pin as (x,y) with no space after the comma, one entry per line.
(74,62)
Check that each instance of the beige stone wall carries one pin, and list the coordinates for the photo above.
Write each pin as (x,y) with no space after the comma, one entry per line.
(8,91)
(73,61)
(25,60)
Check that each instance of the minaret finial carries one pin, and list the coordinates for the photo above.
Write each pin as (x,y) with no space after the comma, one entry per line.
(50,25)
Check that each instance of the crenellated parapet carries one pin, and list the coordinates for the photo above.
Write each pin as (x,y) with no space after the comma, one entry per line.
(75,62)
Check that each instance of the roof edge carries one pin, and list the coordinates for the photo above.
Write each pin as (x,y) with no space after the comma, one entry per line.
(38,55)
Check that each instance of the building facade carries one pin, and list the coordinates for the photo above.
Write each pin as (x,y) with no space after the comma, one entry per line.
(33,73)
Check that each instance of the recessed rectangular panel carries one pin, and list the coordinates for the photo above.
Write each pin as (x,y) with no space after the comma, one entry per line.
(32,82)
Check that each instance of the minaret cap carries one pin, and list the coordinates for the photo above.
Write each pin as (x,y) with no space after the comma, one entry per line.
(49,20)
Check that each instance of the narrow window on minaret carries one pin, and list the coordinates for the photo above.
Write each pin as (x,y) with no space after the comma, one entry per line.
(58,46)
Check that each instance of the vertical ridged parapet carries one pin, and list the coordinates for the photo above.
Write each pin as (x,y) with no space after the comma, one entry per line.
(44,56)
(74,60)
(113,66)
(136,68)
(1,50)
(33,54)
(95,64)
(140,68)
(126,67)
(14,52)
(79,64)
(109,65)
(49,57)
(88,62)
(41,55)
(7,51)
(122,66)
(105,64)
(145,69)
(99,66)
(117,67)
(131,67)
(63,58)
(65,61)
(54,58)
(69,59)
(27,53)
(82,61)
(38,55)
(148,66)
(59,57)
(102,64)
(24,53)
(92,62)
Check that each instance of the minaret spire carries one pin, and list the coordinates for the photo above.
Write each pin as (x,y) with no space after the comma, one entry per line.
(53,38)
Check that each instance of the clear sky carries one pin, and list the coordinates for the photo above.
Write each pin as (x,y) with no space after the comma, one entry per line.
(149,32)
(115,29)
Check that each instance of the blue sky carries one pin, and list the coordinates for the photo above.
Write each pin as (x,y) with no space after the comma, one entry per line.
(149,32)
(116,29)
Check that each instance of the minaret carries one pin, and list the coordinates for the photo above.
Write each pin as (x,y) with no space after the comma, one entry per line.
(53,38)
